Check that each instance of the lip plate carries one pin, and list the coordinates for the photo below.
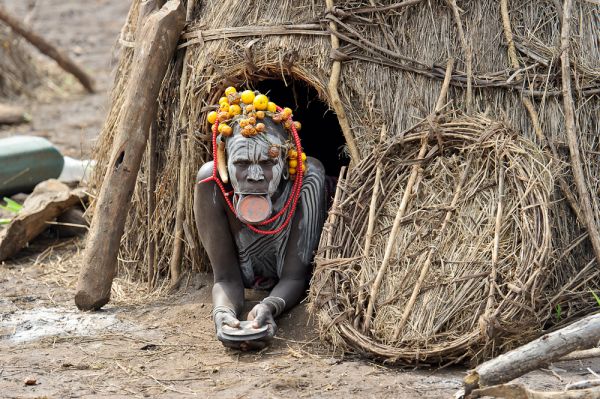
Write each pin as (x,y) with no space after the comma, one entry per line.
(245,333)
(253,208)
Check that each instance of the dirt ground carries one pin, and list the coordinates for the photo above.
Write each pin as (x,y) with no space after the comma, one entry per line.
(152,345)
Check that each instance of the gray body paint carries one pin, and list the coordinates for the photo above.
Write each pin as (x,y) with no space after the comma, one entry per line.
(264,255)
(261,257)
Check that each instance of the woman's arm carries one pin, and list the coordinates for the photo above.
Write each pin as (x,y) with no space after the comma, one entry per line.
(212,222)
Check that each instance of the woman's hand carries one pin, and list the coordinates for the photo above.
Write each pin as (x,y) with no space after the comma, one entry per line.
(225,317)
(262,316)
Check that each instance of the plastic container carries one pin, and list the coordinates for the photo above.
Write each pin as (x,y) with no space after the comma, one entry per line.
(75,170)
(26,161)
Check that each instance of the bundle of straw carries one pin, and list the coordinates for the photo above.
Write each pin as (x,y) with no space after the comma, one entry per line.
(453,256)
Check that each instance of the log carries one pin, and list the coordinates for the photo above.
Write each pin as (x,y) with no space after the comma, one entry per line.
(155,46)
(582,334)
(10,115)
(518,391)
(64,61)
(48,200)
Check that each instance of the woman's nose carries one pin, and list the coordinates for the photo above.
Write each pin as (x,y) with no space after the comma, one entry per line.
(255,173)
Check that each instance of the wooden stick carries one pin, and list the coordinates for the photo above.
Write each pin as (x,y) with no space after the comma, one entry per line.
(445,85)
(403,204)
(373,204)
(414,173)
(48,49)
(334,95)
(155,46)
(580,335)
(152,171)
(371,221)
(468,53)
(484,319)
(425,269)
(533,115)
(578,176)
(175,266)
(177,254)
(332,214)
(585,384)
(184,71)
(389,37)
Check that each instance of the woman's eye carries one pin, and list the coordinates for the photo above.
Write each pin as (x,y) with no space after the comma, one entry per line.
(267,162)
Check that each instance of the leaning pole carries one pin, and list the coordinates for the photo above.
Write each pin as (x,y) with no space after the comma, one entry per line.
(159,28)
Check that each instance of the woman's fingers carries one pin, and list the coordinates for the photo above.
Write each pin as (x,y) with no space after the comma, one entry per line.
(231,321)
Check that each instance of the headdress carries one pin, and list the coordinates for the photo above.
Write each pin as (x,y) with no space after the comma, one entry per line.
(248,109)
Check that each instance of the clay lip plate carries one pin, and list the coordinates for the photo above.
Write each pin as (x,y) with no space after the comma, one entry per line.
(254,208)
(245,332)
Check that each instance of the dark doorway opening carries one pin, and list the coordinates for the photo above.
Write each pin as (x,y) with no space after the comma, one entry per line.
(321,135)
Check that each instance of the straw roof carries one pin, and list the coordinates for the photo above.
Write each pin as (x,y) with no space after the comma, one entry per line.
(392,59)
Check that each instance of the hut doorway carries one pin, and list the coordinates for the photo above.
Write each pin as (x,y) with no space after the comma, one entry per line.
(321,134)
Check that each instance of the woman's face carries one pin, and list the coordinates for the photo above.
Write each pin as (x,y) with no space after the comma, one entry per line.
(251,168)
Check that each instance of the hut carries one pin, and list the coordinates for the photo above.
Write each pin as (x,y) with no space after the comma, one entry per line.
(522,89)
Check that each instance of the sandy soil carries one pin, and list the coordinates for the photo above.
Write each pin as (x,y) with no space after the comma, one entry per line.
(151,345)
(163,346)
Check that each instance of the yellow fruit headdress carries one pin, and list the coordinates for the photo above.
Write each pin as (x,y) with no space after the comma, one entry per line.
(248,109)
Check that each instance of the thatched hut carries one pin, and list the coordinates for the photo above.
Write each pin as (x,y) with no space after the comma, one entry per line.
(359,68)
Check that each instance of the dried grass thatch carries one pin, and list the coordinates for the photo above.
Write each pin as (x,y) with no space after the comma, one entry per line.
(470,254)
(392,61)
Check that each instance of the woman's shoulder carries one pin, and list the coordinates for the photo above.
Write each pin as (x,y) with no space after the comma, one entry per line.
(315,169)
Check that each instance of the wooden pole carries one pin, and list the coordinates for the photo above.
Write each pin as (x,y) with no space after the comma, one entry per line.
(152,172)
(538,353)
(334,95)
(414,174)
(177,254)
(175,265)
(579,355)
(570,127)
(155,46)
(48,49)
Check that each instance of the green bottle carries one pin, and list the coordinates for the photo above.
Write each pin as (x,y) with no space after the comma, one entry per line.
(26,161)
